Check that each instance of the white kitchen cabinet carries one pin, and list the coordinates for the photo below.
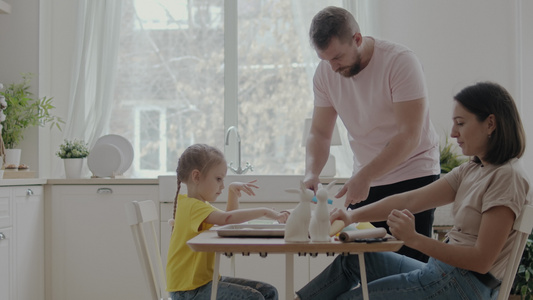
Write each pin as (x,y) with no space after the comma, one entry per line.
(91,246)
(6,244)
(21,242)
(6,263)
(28,230)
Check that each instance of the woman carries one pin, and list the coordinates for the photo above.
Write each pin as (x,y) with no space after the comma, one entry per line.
(487,193)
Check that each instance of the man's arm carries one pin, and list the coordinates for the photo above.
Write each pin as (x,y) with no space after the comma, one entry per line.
(409,117)
(318,144)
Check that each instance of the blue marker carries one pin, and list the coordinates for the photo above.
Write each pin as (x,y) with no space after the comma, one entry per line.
(329,200)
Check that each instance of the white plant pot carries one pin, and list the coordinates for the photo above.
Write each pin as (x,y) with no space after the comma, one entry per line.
(13,156)
(73,167)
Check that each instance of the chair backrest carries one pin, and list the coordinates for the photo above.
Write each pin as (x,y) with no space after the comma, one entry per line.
(141,217)
(523,225)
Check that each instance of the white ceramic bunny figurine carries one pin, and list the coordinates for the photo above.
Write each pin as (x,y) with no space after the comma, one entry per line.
(319,225)
(296,228)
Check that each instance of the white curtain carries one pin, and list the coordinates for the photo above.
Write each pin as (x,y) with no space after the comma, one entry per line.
(91,88)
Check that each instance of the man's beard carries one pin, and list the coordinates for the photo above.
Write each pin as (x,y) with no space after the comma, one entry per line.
(352,70)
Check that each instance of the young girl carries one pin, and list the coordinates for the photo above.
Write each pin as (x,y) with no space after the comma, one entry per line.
(189,274)
(488,194)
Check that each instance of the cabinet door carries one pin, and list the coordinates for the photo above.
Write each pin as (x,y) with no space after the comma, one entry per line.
(6,207)
(6,263)
(29,242)
(93,253)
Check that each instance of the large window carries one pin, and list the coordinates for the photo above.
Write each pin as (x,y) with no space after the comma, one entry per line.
(171,90)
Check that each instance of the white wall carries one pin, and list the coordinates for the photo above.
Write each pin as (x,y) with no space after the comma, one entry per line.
(19,53)
(525,67)
(459,42)
(463,42)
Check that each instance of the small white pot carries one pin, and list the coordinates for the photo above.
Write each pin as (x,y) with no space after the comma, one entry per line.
(13,156)
(73,167)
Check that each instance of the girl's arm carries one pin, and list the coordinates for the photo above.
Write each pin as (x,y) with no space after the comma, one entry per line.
(244,215)
(234,215)
(234,193)
(496,224)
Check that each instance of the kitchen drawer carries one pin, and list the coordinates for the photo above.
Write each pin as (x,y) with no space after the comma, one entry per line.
(32,190)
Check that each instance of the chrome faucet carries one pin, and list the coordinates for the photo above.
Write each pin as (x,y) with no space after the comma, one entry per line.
(248,166)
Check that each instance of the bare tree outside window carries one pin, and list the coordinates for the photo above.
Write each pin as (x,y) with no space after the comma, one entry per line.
(169,90)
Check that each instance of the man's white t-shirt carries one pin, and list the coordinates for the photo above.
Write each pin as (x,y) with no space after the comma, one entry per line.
(364,103)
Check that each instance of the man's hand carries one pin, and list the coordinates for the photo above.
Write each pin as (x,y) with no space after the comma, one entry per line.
(311,182)
(356,190)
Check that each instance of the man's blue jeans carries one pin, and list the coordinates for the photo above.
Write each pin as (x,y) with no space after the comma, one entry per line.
(394,276)
(231,288)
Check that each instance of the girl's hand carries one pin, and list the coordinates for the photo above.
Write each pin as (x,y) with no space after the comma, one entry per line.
(402,225)
(278,216)
(246,187)
(283,216)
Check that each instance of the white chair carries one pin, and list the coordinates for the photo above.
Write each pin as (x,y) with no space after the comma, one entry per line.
(141,217)
(524,225)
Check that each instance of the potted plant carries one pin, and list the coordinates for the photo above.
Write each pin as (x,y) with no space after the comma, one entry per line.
(449,158)
(24,111)
(523,282)
(73,153)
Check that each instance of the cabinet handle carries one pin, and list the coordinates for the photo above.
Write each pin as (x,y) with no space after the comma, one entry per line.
(29,192)
(104,191)
(2,236)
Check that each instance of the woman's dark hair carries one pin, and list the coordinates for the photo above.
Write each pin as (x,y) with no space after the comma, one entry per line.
(508,140)
(196,157)
(332,22)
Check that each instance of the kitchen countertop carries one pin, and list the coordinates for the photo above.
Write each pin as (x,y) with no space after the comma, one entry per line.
(29,181)
(84,181)
(100,181)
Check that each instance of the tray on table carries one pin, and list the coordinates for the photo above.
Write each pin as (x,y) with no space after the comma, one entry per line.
(252,230)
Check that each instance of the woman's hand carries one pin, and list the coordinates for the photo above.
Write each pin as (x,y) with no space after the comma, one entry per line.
(247,187)
(340,214)
(402,225)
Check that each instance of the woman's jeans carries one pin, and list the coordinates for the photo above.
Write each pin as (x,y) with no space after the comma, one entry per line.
(230,288)
(394,276)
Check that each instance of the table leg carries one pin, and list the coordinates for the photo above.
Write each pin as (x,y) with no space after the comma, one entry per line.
(364,284)
(289,276)
(233,265)
(214,285)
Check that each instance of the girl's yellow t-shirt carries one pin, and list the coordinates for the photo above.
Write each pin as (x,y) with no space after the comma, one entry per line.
(186,269)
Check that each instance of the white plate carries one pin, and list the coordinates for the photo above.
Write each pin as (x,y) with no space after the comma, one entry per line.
(125,147)
(104,160)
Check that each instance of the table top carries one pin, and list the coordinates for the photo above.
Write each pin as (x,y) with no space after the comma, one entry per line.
(209,241)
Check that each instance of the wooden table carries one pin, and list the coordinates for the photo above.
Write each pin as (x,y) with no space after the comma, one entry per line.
(209,241)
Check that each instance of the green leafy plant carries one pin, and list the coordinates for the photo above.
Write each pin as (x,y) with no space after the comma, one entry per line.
(523,281)
(449,158)
(73,149)
(24,111)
